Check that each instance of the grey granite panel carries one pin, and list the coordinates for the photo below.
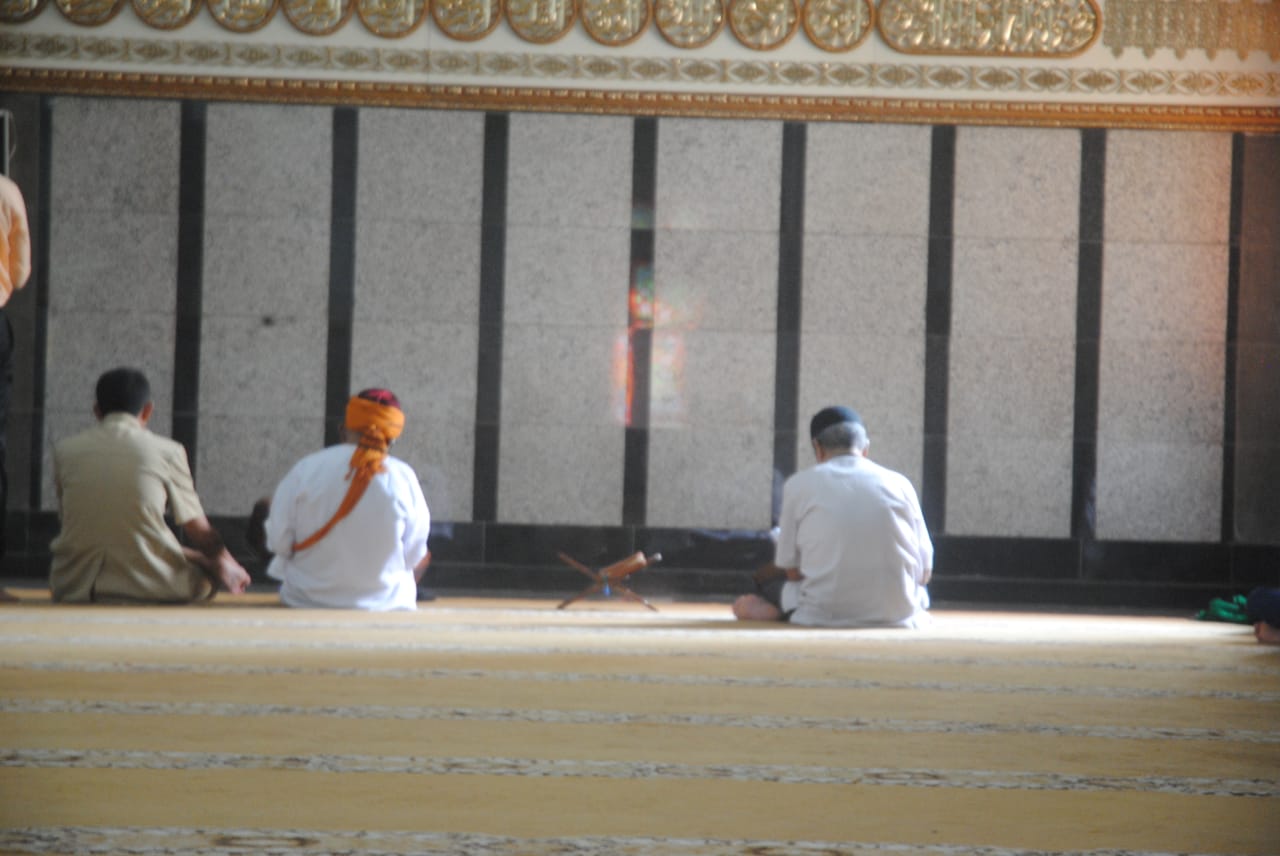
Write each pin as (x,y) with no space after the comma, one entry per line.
(1151,491)
(715,281)
(882,377)
(569,171)
(558,276)
(860,285)
(707,379)
(715,174)
(271,371)
(1167,186)
(1257,497)
(83,345)
(997,486)
(714,477)
(570,473)
(1161,391)
(1017,183)
(420,166)
(1014,288)
(269,160)
(407,271)
(114,155)
(561,375)
(241,458)
(867,179)
(1164,291)
(102,261)
(1012,388)
(267,267)
(442,453)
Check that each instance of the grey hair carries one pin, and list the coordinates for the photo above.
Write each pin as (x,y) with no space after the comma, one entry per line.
(843,435)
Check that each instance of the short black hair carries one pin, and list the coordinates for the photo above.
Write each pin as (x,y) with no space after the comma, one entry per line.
(122,390)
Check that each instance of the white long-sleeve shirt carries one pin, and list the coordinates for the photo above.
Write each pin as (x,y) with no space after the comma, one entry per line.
(856,532)
(367,560)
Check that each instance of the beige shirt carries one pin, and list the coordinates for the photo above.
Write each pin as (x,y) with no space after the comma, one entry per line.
(15,240)
(114,482)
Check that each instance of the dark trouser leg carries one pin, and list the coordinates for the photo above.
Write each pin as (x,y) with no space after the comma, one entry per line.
(6,386)
(1264,605)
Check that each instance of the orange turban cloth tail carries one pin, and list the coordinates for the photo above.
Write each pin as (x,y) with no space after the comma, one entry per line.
(377,424)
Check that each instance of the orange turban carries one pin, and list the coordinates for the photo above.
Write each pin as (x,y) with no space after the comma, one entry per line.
(377,423)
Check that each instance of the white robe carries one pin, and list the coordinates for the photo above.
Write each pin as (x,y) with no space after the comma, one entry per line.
(367,560)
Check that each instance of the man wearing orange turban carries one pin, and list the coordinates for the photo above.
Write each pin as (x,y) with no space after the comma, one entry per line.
(348,525)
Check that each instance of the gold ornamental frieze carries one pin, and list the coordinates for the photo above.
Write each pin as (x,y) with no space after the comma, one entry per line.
(540,21)
(763,24)
(391,19)
(1241,26)
(1028,28)
(166,14)
(317,17)
(615,23)
(17,11)
(242,16)
(689,23)
(89,13)
(466,20)
(837,25)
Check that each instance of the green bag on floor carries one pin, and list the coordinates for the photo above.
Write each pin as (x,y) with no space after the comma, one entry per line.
(1225,609)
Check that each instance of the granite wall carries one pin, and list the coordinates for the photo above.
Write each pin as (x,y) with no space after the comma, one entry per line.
(609,333)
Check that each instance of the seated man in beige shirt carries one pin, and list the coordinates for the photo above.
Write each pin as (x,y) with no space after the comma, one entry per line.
(114,483)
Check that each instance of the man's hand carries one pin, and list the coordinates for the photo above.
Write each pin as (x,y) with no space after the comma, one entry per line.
(217,560)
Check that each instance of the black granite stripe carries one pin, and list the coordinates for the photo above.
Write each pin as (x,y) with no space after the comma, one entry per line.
(493,245)
(40,281)
(1093,167)
(937,358)
(1232,340)
(190,285)
(786,374)
(342,270)
(644,176)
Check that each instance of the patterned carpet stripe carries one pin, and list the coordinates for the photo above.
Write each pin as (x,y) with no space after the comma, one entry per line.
(256,842)
(631,678)
(580,717)
(538,768)
(998,655)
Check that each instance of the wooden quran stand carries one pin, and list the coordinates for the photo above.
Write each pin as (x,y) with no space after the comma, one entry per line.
(610,578)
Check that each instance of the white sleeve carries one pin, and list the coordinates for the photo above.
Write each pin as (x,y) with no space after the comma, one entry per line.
(785,553)
(418,525)
(279,525)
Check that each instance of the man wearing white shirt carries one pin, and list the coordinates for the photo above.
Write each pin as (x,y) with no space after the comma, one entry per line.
(852,549)
(348,525)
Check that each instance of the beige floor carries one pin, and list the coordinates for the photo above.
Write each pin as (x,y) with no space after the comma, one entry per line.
(507,726)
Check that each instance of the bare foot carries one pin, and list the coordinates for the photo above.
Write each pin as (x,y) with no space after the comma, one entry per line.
(7,597)
(1267,634)
(752,607)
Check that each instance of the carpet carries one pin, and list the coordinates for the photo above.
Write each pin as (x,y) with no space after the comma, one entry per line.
(490,726)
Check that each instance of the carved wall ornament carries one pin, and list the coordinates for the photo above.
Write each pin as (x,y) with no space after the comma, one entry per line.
(242,16)
(166,14)
(89,13)
(1031,28)
(1181,25)
(317,17)
(837,25)
(615,22)
(541,21)
(391,19)
(17,11)
(466,20)
(689,23)
(763,24)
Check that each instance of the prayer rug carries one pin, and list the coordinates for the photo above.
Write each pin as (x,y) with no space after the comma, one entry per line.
(488,726)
